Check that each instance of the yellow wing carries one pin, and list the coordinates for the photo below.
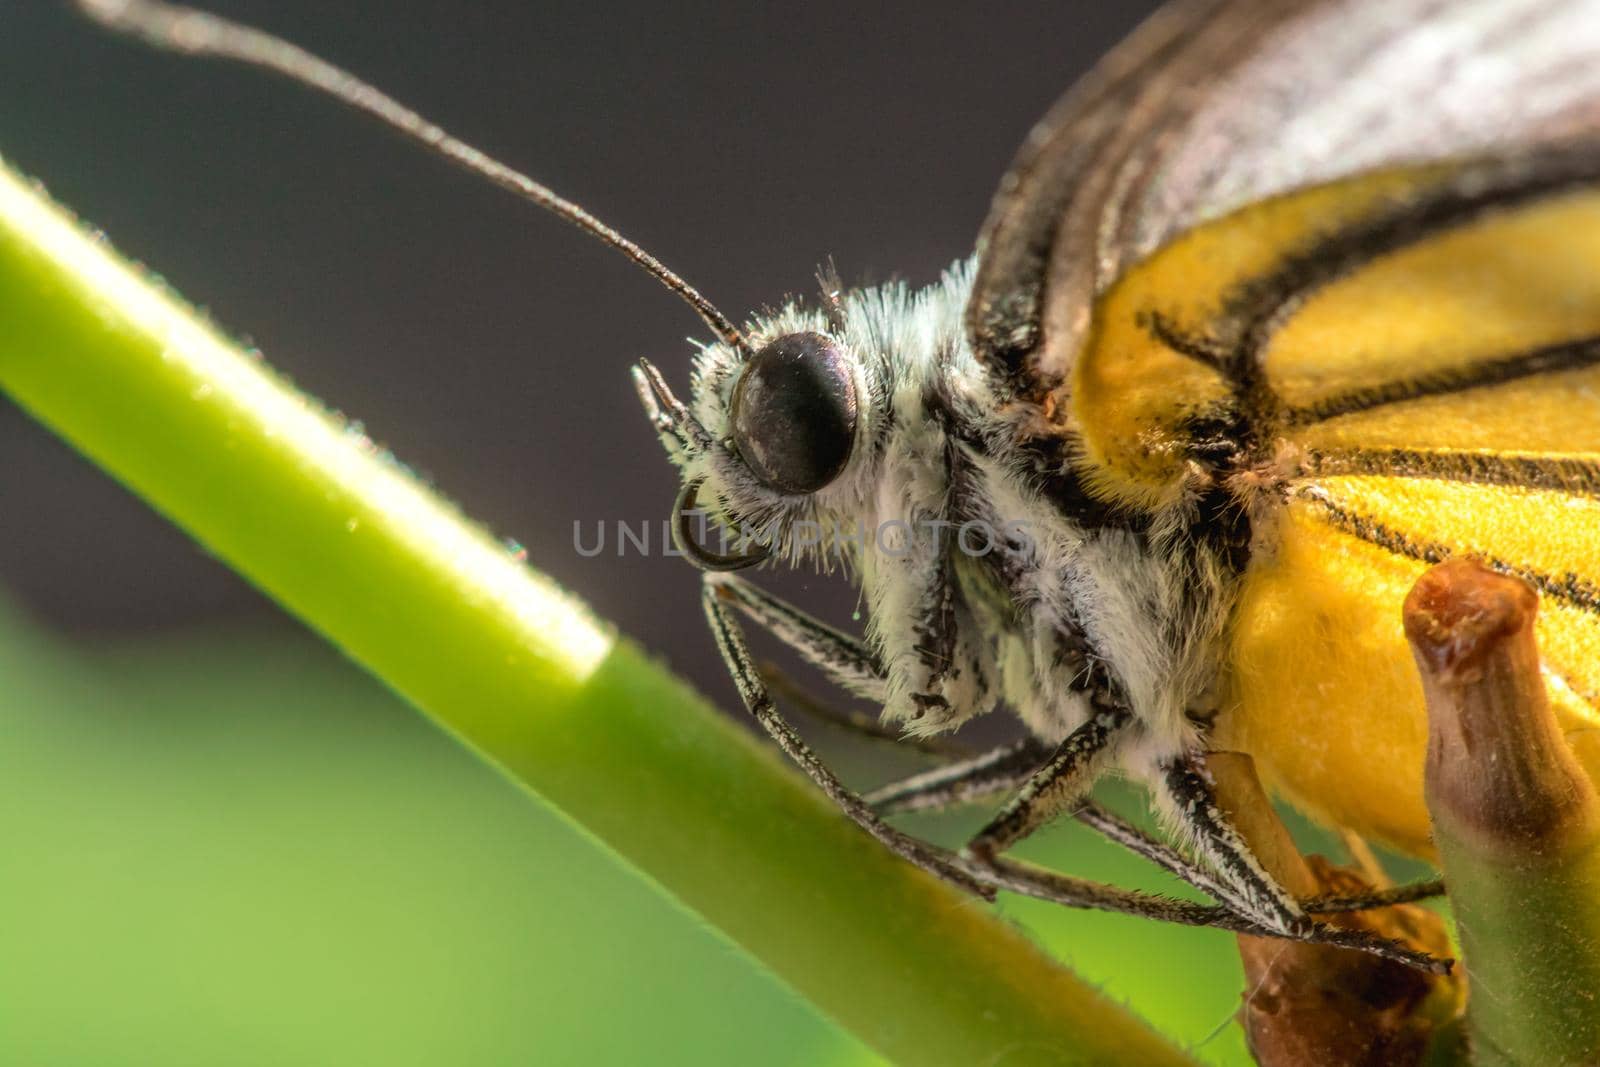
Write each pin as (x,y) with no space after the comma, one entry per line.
(1407,365)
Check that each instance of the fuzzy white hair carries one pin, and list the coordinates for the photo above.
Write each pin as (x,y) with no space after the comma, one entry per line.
(1150,611)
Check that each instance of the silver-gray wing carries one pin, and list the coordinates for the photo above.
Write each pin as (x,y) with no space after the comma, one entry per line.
(1211,104)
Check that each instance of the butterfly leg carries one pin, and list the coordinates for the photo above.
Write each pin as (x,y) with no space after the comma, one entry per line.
(786,690)
(1029,880)
(1185,789)
(962,781)
(1009,766)
(1252,901)
(1057,785)
(844,660)
(1062,782)
(848,663)
(715,596)
(1115,828)
(1255,896)
(852,666)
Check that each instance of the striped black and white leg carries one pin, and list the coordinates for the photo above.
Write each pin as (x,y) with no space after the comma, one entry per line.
(846,661)
(1051,789)
(864,725)
(721,594)
(962,781)
(1185,787)
(1115,828)
(1009,766)
(1058,785)
(1050,783)
(716,597)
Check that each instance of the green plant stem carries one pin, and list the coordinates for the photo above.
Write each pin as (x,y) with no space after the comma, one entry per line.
(343,537)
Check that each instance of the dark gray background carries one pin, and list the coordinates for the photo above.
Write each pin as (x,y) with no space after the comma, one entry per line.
(485,344)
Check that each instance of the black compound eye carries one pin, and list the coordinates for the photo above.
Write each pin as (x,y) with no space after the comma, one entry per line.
(794,413)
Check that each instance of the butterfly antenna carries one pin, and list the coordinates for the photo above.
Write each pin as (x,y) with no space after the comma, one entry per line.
(198,33)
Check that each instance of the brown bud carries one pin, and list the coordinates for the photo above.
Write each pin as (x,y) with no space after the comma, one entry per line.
(1313,1003)
(1498,768)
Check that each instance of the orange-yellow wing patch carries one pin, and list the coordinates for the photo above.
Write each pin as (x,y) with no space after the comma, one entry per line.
(1438,396)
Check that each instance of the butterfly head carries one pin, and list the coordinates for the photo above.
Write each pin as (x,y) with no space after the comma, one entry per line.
(770,444)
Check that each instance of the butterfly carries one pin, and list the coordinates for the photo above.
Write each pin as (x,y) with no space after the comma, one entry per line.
(1280,304)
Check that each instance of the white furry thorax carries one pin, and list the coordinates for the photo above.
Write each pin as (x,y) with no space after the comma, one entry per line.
(1132,596)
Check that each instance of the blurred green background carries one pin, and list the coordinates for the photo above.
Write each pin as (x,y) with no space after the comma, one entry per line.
(228,846)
